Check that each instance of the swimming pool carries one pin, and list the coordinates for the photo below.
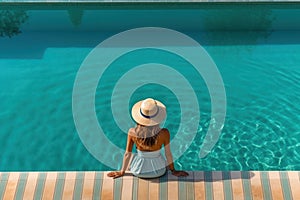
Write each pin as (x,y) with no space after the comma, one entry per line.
(256,47)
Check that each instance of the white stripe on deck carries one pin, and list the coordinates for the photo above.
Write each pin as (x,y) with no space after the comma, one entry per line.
(218,185)
(30,185)
(69,185)
(88,185)
(11,185)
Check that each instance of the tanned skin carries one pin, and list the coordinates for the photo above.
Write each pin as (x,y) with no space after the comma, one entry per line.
(163,139)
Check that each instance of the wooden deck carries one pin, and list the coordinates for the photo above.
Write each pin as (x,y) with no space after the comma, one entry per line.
(216,185)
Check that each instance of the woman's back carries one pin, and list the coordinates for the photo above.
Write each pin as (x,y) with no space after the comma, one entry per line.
(148,162)
(144,143)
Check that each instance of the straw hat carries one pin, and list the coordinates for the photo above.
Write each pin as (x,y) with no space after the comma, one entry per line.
(148,112)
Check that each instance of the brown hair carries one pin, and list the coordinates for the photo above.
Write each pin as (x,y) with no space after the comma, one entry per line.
(146,135)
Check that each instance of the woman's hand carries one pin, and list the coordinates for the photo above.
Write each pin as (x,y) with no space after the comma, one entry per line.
(116,174)
(179,173)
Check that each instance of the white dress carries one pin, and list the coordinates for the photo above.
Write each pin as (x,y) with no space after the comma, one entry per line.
(148,164)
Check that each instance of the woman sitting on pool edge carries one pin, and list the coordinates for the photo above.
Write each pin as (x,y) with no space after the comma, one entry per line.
(149,139)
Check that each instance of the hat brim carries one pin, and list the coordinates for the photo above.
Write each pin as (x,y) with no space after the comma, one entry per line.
(138,118)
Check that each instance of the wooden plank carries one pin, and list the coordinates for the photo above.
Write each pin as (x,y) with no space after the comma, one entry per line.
(127,189)
(154,189)
(49,187)
(227,185)
(218,191)
(30,185)
(3,181)
(199,186)
(88,185)
(265,183)
(285,185)
(294,184)
(68,191)
(60,180)
(40,185)
(118,183)
(190,190)
(98,185)
(246,185)
(78,185)
(11,185)
(237,185)
(256,187)
(163,187)
(275,185)
(143,189)
(107,187)
(172,187)
(21,185)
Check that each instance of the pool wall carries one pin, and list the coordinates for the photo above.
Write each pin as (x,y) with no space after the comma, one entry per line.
(194,16)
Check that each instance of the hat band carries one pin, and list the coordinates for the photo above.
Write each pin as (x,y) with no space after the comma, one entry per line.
(149,116)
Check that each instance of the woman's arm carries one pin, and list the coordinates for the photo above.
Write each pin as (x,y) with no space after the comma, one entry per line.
(168,153)
(126,159)
(170,157)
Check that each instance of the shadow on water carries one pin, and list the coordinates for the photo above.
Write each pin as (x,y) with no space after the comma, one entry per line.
(256,23)
(76,15)
(11,21)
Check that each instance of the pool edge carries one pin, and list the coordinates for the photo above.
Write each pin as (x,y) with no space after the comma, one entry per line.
(198,185)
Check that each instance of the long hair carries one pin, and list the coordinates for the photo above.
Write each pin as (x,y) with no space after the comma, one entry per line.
(147,135)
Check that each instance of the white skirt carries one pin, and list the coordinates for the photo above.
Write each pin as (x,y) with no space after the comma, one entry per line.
(148,164)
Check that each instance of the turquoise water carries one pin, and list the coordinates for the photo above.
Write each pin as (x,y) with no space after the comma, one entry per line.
(258,59)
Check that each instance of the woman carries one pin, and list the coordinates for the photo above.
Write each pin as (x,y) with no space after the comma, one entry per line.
(149,139)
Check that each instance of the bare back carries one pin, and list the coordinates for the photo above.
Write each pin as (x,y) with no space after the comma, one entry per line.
(161,140)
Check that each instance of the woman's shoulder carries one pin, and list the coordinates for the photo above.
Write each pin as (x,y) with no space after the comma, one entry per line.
(132,129)
(131,132)
(164,132)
